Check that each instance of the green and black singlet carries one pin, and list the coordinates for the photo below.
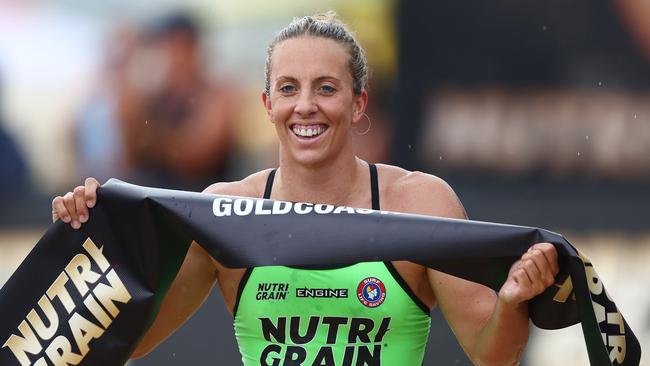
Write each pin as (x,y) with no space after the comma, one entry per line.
(355,315)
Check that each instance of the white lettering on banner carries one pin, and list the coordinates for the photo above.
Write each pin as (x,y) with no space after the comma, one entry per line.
(92,292)
(243,207)
(281,207)
(259,208)
(565,290)
(228,206)
(222,206)
(614,341)
(323,209)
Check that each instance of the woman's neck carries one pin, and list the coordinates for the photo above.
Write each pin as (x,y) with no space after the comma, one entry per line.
(340,183)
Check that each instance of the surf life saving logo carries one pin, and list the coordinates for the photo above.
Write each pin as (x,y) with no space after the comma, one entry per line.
(371,292)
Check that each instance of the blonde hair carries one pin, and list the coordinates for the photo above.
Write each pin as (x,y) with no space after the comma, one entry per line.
(326,25)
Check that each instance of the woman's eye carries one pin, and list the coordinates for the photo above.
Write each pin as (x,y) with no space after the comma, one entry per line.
(287,89)
(327,89)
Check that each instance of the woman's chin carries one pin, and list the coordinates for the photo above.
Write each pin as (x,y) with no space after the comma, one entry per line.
(309,158)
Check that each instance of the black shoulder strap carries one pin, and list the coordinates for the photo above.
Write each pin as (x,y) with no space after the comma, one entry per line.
(374,186)
(269,184)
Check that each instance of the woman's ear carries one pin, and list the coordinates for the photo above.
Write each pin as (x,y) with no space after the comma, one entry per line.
(360,104)
(267,106)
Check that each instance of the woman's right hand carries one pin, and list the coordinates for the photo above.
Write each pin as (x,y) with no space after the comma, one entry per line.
(73,207)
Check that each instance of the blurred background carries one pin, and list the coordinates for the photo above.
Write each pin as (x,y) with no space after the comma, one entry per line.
(537,113)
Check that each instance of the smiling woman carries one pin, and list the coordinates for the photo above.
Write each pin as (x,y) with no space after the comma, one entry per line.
(313,104)
(315,89)
(314,93)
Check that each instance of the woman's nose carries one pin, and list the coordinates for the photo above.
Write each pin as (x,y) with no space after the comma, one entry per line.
(306,104)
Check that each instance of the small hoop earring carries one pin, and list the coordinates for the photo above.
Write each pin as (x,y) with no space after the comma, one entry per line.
(367,129)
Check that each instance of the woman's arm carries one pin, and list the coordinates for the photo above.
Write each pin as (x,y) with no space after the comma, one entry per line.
(187,293)
(192,284)
(492,328)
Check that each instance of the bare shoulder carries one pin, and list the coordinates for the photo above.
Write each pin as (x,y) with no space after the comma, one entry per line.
(417,192)
(251,186)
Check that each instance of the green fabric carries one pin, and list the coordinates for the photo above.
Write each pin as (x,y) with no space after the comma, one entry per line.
(274,326)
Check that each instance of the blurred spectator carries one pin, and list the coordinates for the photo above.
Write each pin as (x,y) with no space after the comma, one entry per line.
(13,170)
(98,129)
(635,16)
(176,123)
(12,165)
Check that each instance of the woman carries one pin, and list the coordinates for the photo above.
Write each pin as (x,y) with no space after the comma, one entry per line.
(364,314)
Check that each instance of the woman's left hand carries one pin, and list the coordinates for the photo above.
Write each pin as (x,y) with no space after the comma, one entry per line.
(533,273)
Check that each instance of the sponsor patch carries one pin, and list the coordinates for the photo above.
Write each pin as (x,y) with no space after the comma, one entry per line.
(272,291)
(371,292)
(322,292)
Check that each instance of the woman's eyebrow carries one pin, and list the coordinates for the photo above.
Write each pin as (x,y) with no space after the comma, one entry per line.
(326,77)
(320,78)
(283,77)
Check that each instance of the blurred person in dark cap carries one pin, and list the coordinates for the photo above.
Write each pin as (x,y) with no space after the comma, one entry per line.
(176,122)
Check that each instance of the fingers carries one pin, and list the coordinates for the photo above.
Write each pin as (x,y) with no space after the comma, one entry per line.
(542,273)
(544,257)
(59,210)
(535,272)
(517,287)
(550,255)
(550,252)
(90,193)
(73,207)
(520,276)
(531,275)
(80,204)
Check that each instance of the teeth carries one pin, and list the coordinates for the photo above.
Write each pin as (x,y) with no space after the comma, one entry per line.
(307,132)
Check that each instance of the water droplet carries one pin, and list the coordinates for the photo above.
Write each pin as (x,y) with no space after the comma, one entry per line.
(635,116)
(587,137)
(578,153)
(440,157)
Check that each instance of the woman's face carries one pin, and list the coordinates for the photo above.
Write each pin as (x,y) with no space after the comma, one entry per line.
(312,102)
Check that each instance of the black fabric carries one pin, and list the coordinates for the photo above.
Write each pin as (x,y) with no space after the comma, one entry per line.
(374,193)
(269,184)
(374,187)
(405,286)
(142,234)
(240,289)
